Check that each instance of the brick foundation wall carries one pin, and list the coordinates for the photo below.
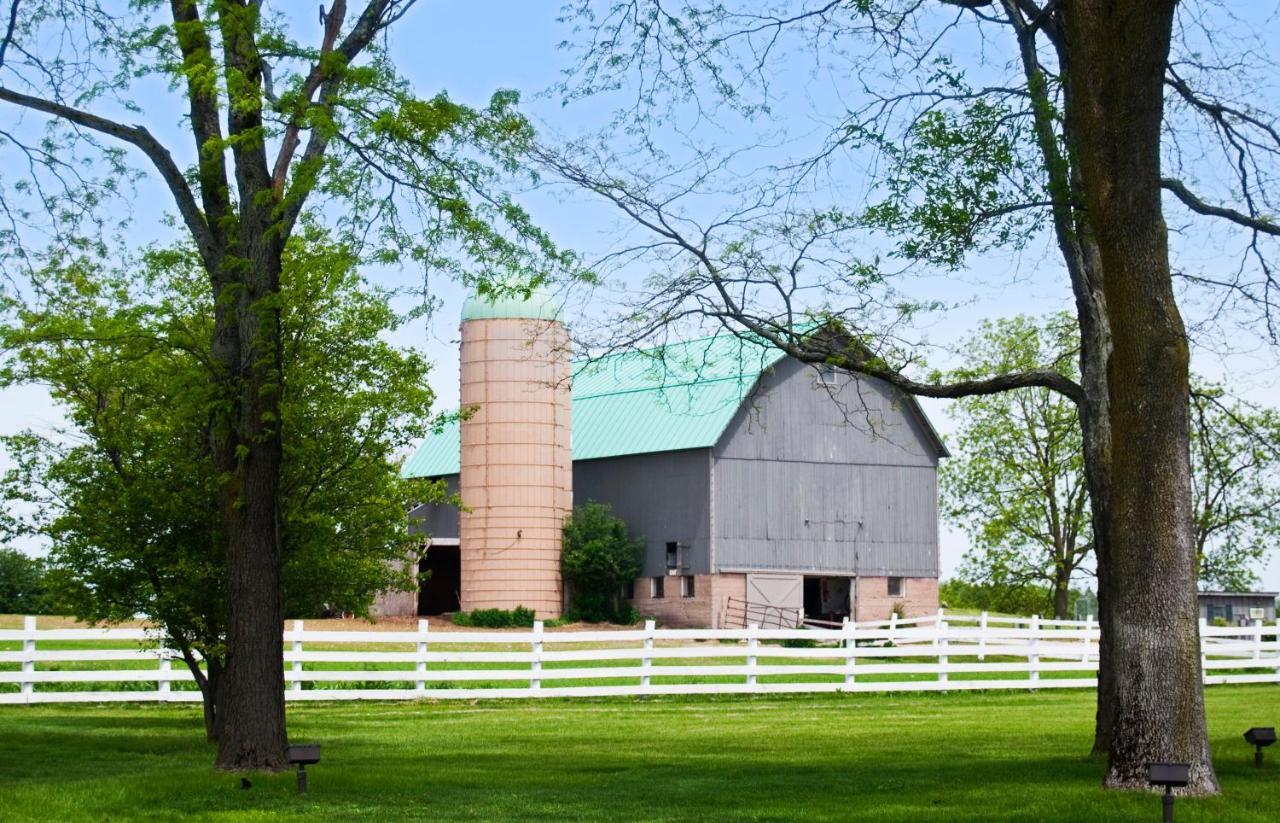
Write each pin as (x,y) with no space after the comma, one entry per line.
(919,597)
(703,610)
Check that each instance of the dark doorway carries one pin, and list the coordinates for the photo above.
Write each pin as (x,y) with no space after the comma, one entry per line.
(826,598)
(812,597)
(439,579)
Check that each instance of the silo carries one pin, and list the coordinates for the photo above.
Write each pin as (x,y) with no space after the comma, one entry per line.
(516,459)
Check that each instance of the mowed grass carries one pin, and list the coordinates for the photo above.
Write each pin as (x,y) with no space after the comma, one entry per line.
(943,757)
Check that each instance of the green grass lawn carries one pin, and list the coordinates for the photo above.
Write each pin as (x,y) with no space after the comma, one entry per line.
(944,757)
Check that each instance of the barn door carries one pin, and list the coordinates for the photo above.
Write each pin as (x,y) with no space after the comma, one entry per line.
(785,591)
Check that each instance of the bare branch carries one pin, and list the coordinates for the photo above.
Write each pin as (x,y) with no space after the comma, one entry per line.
(139,137)
(1199,206)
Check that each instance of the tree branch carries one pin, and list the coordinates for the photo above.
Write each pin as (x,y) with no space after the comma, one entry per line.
(1199,206)
(139,137)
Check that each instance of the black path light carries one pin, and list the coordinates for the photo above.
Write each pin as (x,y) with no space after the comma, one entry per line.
(1259,737)
(302,755)
(1171,776)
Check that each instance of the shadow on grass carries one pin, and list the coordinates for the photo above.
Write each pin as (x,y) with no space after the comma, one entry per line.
(909,758)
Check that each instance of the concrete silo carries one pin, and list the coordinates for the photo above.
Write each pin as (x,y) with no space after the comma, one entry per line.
(516,458)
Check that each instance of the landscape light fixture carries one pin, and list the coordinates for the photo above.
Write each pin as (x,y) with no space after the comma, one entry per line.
(1171,776)
(1259,737)
(302,755)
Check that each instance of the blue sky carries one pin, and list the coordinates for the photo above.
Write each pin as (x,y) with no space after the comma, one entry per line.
(472,48)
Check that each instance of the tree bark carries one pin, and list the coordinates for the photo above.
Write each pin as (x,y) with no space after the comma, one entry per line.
(1155,700)
(251,696)
(1061,593)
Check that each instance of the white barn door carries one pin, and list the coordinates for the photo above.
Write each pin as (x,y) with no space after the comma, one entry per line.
(784,592)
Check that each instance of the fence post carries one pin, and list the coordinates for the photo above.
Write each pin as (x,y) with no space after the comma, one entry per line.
(752,643)
(297,649)
(1257,639)
(851,651)
(1278,649)
(982,636)
(166,666)
(893,626)
(535,665)
(1033,655)
(420,667)
(28,649)
(1204,645)
(1276,639)
(646,661)
(1088,637)
(941,628)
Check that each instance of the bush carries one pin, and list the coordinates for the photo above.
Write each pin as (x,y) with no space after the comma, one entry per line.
(516,618)
(627,615)
(599,557)
(21,583)
(1000,597)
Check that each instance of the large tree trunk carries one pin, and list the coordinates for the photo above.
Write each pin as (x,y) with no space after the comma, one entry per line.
(1119,52)
(251,696)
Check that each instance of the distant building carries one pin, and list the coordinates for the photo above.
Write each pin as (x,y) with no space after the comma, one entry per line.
(1237,608)
(753,478)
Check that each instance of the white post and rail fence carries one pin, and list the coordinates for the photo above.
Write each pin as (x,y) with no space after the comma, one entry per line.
(942,652)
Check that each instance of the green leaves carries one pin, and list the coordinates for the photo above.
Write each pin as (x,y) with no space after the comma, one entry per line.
(127,493)
(957,181)
(1015,483)
(598,558)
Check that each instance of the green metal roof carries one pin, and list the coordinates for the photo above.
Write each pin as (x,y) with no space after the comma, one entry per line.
(677,396)
(540,304)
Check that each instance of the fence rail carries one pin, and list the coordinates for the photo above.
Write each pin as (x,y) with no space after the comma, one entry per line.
(940,652)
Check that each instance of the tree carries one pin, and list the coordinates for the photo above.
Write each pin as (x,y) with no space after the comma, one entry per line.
(1016,481)
(1066,129)
(278,129)
(127,495)
(1017,484)
(1235,461)
(21,583)
(599,557)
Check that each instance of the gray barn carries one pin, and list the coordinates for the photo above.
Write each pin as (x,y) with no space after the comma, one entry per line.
(1237,608)
(764,487)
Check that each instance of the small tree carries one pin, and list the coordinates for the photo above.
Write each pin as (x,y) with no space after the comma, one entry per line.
(599,557)
(127,493)
(1017,486)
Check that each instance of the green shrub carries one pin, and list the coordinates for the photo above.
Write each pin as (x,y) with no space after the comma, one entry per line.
(598,558)
(22,583)
(519,617)
(626,615)
(1000,597)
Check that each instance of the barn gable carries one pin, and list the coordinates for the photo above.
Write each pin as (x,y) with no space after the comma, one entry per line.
(826,473)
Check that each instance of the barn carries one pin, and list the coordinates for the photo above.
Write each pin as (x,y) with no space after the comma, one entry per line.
(766,490)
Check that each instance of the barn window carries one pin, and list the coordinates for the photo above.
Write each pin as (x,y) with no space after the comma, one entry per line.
(686,586)
(827,374)
(896,586)
(673,556)
(656,585)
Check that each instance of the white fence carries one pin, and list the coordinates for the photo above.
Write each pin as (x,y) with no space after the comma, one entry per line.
(937,653)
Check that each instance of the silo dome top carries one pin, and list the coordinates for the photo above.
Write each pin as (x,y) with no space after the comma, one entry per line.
(540,305)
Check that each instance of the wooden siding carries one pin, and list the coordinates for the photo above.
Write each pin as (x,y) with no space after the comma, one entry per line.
(437,520)
(836,479)
(664,497)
